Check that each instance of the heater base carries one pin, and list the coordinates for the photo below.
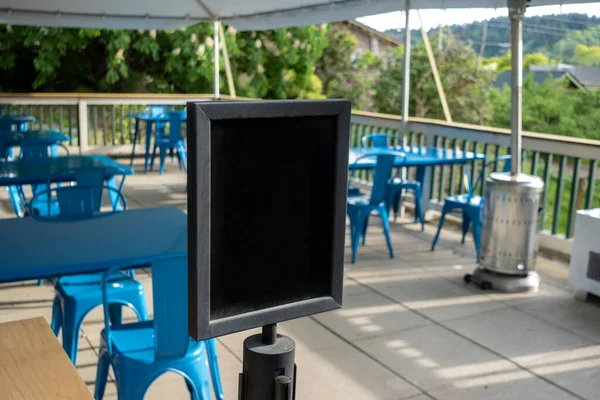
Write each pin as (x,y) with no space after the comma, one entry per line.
(485,279)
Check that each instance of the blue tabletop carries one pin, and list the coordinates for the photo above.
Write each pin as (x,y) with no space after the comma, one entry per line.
(416,156)
(17,119)
(36,249)
(37,137)
(56,169)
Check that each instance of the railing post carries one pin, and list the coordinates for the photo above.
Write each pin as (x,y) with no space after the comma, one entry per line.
(427,181)
(82,125)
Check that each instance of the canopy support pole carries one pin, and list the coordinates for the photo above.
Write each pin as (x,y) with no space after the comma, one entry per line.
(516,11)
(406,71)
(216,57)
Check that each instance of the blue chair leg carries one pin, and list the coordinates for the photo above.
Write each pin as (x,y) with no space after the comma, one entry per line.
(213,364)
(132,385)
(419,207)
(396,204)
(445,210)
(182,154)
(386,229)
(152,159)
(163,156)
(56,323)
(72,318)
(364,230)
(356,225)
(101,375)
(465,225)
(197,380)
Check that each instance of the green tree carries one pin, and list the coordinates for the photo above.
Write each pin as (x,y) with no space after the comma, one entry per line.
(336,61)
(551,107)
(566,46)
(345,73)
(466,92)
(584,55)
(270,64)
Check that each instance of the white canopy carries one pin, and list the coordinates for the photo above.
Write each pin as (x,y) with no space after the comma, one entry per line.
(243,14)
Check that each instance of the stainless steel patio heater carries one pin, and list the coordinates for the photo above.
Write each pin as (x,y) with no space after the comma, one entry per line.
(511,200)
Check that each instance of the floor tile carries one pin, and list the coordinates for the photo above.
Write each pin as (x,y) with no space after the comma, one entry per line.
(345,373)
(432,357)
(437,298)
(366,315)
(516,335)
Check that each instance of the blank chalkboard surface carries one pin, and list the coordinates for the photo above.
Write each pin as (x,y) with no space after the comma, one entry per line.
(267,188)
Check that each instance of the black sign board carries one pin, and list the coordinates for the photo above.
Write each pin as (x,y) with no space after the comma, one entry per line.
(266,211)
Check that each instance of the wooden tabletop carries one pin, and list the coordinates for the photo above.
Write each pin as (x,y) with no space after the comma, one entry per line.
(34,366)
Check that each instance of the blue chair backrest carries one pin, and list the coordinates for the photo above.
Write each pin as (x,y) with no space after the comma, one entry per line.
(169,292)
(175,119)
(380,140)
(34,153)
(155,110)
(82,200)
(386,160)
(471,188)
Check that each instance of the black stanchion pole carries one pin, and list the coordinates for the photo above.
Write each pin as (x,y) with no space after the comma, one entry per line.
(269,371)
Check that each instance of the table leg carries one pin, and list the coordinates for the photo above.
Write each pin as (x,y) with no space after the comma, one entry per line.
(148,140)
(424,177)
(136,133)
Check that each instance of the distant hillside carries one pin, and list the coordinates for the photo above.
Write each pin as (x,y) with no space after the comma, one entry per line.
(541,34)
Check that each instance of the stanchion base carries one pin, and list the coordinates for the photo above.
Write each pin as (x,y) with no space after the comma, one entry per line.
(485,279)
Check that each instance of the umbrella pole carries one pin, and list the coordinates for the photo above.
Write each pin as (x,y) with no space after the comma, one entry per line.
(406,72)
(216,57)
(516,11)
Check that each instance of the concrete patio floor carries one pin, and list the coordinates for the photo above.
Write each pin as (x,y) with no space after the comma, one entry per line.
(409,328)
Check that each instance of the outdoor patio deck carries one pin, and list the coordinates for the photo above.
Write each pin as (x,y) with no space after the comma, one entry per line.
(410,328)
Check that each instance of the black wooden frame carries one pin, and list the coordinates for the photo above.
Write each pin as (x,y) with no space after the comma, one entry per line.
(199,117)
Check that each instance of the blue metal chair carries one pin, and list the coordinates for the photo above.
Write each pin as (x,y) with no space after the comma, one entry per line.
(382,140)
(359,208)
(470,204)
(397,185)
(75,296)
(33,154)
(173,141)
(15,194)
(140,352)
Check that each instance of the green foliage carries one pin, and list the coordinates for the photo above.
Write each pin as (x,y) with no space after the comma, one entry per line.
(270,64)
(344,73)
(551,107)
(566,46)
(466,91)
(584,55)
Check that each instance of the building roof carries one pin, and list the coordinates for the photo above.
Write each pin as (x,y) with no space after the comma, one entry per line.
(538,77)
(588,77)
(581,77)
(372,32)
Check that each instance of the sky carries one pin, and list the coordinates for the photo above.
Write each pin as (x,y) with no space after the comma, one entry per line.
(433,18)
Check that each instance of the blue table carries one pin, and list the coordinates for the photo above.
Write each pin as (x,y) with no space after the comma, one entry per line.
(37,137)
(56,169)
(150,121)
(34,250)
(61,169)
(421,157)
